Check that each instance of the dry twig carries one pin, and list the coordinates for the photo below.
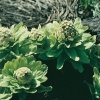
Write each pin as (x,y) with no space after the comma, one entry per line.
(35,12)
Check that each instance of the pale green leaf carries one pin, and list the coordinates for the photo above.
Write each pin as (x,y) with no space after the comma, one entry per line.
(5,96)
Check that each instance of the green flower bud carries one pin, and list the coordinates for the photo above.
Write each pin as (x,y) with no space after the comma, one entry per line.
(5,36)
(66,32)
(36,34)
(23,75)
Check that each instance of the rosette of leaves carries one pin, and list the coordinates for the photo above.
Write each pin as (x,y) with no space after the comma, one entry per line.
(39,40)
(71,43)
(94,55)
(12,40)
(22,76)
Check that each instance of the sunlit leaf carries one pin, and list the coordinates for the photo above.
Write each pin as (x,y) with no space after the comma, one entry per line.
(77,65)
(72,54)
(82,55)
(61,59)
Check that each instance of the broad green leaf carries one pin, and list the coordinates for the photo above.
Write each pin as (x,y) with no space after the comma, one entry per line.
(43,79)
(83,29)
(32,90)
(88,45)
(46,44)
(4,82)
(3,56)
(8,69)
(34,84)
(35,66)
(21,34)
(24,35)
(82,55)
(55,24)
(28,49)
(22,62)
(5,96)
(61,59)
(54,53)
(2,48)
(43,89)
(52,26)
(52,40)
(78,25)
(72,54)
(93,62)
(77,65)
(39,50)
(49,28)
(85,36)
(22,95)
(43,56)
(16,27)
(30,59)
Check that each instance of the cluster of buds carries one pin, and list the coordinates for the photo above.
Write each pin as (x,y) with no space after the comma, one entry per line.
(23,75)
(5,36)
(66,32)
(36,35)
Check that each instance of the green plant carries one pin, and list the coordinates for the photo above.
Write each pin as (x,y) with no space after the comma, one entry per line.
(95,88)
(70,43)
(14,42)
(94,55)
(64,41)
(96,10)
(22,75)
(85,7)
(92,5)
(11,40)
(85,3)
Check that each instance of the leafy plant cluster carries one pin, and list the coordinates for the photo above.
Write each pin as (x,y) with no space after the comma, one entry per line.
(91,5)
(65,41)
(96,10)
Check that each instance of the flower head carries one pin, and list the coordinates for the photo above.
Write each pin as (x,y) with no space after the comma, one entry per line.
(66,32)
(23,75)
(36,35)
(70,33)
(5,36)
